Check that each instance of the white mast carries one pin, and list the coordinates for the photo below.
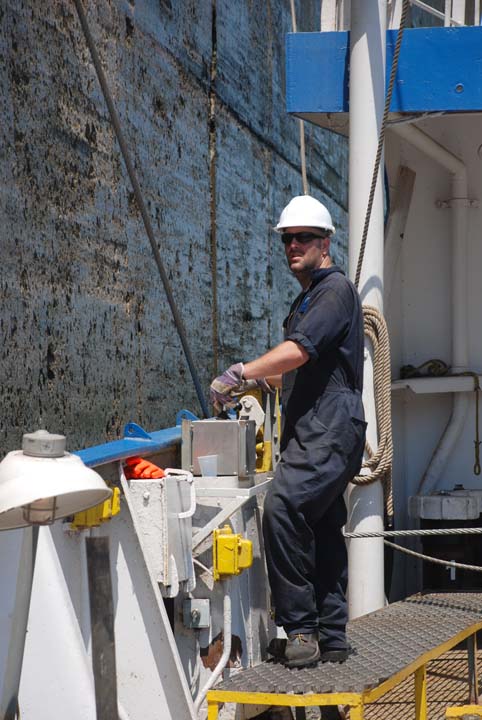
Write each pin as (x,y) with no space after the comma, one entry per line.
(367,95)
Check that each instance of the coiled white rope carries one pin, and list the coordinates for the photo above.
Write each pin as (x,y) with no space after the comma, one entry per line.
(378,466)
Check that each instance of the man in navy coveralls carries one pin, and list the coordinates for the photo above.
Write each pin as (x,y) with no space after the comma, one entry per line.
(320,369)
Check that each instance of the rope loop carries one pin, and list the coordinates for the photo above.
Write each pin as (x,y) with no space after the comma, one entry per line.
(378,465)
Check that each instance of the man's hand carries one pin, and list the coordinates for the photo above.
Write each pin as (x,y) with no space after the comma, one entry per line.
(262,383)
(224,387)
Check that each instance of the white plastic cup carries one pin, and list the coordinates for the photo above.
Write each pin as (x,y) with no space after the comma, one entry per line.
(208,465)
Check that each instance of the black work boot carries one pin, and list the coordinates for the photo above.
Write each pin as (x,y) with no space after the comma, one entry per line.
(335,655)
(301,650)
(277,648)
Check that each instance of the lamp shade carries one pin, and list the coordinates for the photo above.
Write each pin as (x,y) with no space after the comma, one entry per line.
(43,487)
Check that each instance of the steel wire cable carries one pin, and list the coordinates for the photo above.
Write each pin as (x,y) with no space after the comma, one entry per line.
(428,532)
(140,202)
(436,561)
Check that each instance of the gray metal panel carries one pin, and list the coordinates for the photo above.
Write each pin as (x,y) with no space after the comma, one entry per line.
(233,441)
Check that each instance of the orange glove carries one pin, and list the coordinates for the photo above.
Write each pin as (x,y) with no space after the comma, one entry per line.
(136,467)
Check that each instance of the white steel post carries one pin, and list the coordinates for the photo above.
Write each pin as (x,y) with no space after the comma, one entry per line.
(367,95)
(18,550)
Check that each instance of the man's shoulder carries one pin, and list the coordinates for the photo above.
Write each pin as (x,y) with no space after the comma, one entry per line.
(336,294)
(335,281)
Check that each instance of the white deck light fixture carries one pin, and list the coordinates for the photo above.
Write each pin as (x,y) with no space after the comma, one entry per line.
(42,483)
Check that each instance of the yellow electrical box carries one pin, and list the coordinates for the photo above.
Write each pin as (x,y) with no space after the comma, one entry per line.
(95,516)
(231,553)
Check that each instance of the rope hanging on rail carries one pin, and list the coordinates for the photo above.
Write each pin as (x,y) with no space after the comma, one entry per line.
(378,465)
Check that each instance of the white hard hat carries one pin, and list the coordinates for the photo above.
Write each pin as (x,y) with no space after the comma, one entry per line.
(305,211)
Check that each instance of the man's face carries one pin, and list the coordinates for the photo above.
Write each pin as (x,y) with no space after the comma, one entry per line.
(305,257)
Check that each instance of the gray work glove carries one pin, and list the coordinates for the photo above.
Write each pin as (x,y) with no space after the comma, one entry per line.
(226,388)
(223,388)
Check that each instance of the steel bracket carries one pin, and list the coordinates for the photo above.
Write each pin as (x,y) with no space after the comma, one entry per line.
(453,202)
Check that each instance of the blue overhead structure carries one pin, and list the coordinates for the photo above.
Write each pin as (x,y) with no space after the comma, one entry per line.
(439,70)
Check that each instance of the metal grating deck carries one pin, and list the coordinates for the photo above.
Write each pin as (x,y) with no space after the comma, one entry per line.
(447,685)
(386,642)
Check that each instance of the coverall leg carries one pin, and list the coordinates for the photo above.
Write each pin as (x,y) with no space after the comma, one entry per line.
(331,578)
(303,510)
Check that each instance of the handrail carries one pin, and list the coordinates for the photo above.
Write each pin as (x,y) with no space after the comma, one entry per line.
(446,15)
(448,20)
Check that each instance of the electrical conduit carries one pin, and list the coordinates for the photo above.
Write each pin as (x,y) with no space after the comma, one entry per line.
(226,646)
(459,193)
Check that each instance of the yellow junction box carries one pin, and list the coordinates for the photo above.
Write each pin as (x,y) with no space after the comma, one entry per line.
(95,516)
(231,553)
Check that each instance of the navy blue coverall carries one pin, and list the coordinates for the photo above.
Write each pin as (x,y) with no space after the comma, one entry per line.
(322,443)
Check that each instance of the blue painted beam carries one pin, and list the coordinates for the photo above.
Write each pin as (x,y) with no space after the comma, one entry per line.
(136,441)
(439,70)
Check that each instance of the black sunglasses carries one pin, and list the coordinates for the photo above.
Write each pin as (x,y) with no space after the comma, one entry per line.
(301,237)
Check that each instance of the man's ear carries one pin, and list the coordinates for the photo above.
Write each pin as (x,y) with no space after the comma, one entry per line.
(325,245)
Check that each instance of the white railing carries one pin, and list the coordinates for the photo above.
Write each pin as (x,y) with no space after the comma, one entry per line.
(454,12)
(335,14)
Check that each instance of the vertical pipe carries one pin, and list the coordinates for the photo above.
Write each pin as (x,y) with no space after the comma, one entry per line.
(227,639)
(304,177)
(458,12)
(460,334)
(447,12)
(367,94)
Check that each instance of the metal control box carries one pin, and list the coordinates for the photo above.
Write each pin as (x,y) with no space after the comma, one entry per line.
(233,441)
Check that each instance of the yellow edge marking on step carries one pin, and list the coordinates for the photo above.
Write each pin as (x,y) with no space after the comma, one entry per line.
(458,712)
(259,698)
